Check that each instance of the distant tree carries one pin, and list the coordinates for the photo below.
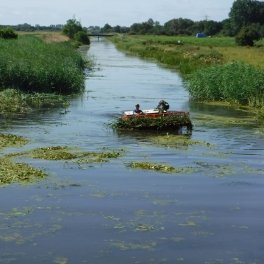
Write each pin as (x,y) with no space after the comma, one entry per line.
(107,28)
(72,27)
(209,27)
(246,12)
(8,33)
(179,26)
(247,35)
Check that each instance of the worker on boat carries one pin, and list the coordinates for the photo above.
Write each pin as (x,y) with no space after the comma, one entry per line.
(137,109)
(163,106)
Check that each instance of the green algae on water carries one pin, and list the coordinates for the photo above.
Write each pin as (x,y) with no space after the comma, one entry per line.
(10,140)
(158,167)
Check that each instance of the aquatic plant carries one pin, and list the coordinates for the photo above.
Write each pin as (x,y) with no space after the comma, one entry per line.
(233,82)
(67,153)
(160,123)
(14,101)
(157,167)
(10,140)
(176,141)
(12,172)
(32,65)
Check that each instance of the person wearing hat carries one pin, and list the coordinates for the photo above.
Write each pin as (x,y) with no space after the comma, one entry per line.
(137,110)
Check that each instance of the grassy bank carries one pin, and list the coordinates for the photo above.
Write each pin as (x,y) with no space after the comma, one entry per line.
(214,68)
(32,65)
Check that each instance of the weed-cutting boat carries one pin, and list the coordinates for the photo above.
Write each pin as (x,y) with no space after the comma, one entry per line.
(154,119)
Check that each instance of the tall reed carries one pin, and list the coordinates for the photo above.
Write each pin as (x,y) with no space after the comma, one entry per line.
(31,65)
(234,82)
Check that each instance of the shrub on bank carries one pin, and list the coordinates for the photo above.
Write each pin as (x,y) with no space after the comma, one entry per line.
(233,82)
(31,65)
(8,33)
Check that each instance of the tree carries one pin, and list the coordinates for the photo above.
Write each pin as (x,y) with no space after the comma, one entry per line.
(72,27)
(246,12)
(247,35)
(179,26)
(107,28)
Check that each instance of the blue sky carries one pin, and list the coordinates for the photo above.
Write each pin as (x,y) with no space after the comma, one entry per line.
(114,12)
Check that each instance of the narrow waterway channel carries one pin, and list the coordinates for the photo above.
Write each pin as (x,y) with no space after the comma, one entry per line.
(212,212)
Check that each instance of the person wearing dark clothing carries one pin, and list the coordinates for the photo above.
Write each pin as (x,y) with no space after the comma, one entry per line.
(137,110)
(163,106)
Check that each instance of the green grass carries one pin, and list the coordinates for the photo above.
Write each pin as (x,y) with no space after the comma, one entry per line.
(31,65)
(186,54)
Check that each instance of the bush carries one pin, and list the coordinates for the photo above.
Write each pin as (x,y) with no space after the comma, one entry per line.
(8,33)
(72,27)
(247,36)
(82,37)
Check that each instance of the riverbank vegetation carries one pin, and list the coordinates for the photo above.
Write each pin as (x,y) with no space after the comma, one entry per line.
(31,65)
(37,71)
(213,68)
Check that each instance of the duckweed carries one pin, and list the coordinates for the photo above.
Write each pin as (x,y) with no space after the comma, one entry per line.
(157,167)
(9,140)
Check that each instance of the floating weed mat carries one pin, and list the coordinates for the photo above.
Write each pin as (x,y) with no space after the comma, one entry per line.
(177,141)
(158,167)
(146,123)
(11,172)
(13,102)
(67,153)
(9,140)
(214,120)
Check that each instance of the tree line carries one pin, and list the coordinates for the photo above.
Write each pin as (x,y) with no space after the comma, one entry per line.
(245,21)
(243,13)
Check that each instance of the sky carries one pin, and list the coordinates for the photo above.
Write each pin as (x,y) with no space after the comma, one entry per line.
(113,12)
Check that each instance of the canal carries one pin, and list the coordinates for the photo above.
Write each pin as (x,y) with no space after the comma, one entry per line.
(210,212)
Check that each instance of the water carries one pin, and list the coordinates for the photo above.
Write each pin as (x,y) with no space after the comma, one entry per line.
(108,213)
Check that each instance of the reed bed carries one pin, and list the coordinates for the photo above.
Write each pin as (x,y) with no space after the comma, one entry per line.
(31,65)
(233,82)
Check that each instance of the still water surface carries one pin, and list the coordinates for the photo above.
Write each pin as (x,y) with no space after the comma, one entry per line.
(108,213)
